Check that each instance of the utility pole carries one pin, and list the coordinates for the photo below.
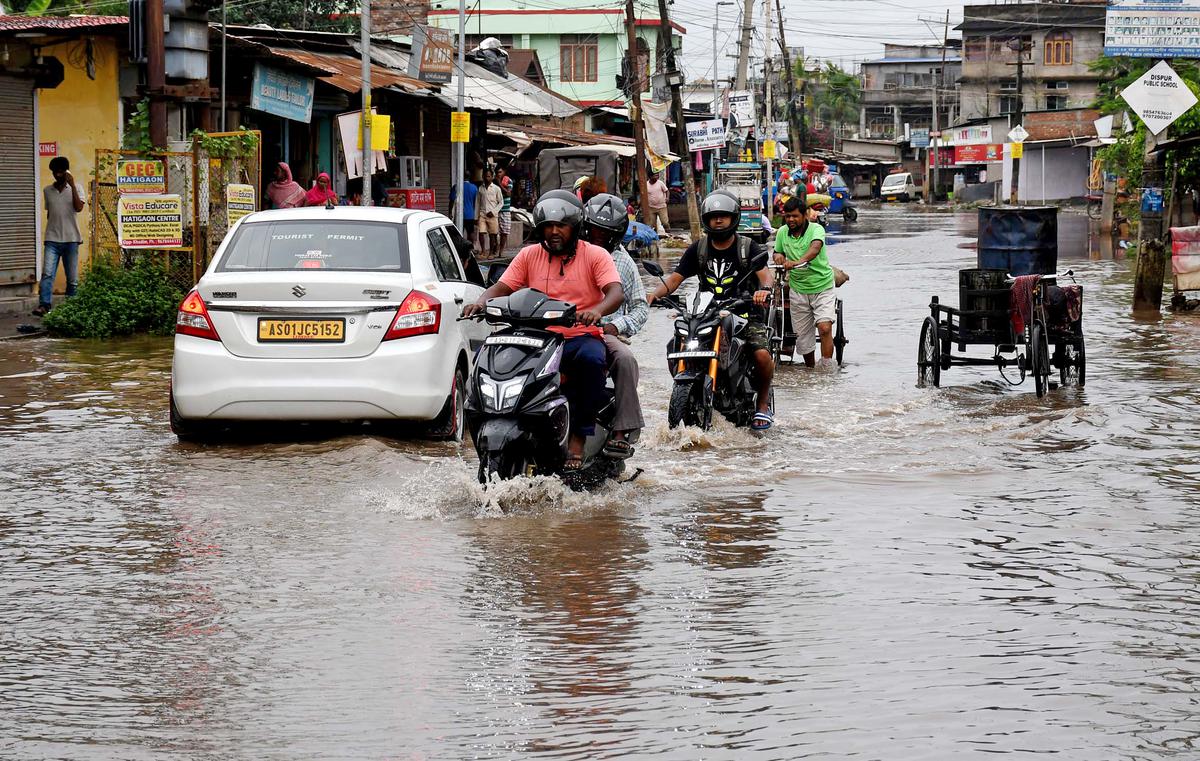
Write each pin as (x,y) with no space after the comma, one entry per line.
(460,149)
(744,44)
(156,72)
(681,143)
(224,60)
(769,110)
(937,138)
(790,78)
(634,83)
(1152,251)
(1019,46)
(368,155)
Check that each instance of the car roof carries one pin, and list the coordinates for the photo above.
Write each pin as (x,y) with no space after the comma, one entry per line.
(345,213)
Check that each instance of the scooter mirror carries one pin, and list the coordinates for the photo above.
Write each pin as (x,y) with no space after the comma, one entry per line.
(653,268)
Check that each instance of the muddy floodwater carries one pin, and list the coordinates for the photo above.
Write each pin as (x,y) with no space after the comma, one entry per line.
(892,573)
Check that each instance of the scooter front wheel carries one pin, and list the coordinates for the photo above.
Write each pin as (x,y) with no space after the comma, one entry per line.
(501,467)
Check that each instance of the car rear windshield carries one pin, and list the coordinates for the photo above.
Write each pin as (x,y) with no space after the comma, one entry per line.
(311,244)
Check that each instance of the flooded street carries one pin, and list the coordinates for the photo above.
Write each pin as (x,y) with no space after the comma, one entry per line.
(891,573)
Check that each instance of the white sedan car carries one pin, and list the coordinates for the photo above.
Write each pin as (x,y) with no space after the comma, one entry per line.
(328,314)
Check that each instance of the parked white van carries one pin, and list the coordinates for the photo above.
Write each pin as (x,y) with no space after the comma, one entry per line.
(899,187)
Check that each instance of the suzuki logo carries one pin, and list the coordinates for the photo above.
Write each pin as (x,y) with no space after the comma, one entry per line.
(298,291)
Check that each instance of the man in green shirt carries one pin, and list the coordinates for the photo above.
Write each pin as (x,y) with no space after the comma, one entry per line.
(801,250)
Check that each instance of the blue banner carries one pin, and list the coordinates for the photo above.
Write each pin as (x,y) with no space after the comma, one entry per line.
(282,94)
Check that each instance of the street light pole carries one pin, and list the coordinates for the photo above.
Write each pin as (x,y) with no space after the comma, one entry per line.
(460,153)
(368,156)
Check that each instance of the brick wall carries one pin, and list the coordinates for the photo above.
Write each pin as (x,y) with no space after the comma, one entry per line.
(397,16)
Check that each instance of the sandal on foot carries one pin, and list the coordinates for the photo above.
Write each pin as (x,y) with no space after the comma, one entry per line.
(762,421)
(573,464)
(619,448)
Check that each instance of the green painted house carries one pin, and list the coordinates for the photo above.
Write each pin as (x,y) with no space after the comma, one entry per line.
(580,44)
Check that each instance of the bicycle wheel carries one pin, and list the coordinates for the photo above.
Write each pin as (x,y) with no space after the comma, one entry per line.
(1039,358)
(1072,368)
(775,338)
(929,360)
(839,335)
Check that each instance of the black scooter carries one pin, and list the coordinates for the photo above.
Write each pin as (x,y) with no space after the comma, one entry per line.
(707,357)
(516,411)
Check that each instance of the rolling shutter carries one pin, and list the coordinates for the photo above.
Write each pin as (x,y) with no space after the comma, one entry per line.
(18,191)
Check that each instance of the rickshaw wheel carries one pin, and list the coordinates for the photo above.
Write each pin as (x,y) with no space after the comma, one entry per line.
(850,214)
(1039,358)
(929,360)
(839,335)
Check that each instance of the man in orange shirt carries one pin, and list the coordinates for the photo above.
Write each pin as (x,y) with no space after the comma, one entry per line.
(568,269)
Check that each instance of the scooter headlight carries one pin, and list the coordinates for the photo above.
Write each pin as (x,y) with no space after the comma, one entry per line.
(500,396)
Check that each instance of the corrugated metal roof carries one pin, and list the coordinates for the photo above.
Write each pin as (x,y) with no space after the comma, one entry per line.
(345,72)
(57,23)
(526,135)
(484,90)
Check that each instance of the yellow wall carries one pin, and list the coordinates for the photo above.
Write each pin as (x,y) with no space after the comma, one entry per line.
(82,115)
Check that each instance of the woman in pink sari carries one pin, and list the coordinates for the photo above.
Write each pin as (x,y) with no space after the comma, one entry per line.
(321,193)
(284,192)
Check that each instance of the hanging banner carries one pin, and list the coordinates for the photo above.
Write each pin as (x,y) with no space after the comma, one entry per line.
(350,130)
(282,93)
(1152,29)
(239,201)
(741,109)
(141,176)
(460,127)
(146,221)
(706,135)
(432,56)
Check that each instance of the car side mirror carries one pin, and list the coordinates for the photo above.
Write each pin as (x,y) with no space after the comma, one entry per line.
(494,273)
(653,268)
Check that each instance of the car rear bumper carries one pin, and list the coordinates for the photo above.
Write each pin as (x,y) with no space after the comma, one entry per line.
(408,378)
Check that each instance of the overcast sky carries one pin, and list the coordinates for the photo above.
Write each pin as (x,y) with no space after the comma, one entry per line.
(843,31)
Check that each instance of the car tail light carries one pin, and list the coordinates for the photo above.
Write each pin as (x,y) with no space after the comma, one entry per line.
(193,319)
(418,315)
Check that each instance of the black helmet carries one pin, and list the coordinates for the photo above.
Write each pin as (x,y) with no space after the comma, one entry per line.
(561,207)
(720,202)
(605,212)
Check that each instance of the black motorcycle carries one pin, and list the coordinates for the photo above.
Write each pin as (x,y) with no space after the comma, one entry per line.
(708,359)
(516,411)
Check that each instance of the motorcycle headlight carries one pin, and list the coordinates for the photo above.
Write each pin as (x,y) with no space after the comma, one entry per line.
(705,331)
(681,328)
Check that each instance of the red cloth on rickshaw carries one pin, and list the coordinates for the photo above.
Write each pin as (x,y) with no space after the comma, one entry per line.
(1020,305)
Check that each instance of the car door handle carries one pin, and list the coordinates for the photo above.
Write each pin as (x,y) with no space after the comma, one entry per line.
(458,300)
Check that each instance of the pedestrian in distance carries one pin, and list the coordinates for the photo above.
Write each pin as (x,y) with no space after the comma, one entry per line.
(657,194)
(488,203)
(285,192)
(64,199)
(321,194)
(470,192)
(506,187)
(800,249)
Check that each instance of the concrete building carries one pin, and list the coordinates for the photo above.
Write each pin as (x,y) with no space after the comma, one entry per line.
(1059,41)
(897,90)
(581,44)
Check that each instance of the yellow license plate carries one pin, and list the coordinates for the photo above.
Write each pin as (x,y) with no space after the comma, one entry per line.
(891,198)
(301,331)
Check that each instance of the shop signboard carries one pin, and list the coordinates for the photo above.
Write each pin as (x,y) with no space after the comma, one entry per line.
(980,134)
(422,199)
(978,154)
(943,157)
(919,138)
(150,221)
(706,135)
(432,57)
(239,201)
(1159,97)
(282,93)
(1152,29)
(141,176)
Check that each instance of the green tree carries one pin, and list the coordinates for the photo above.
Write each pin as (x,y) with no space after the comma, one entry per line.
(311,15)
(833,99)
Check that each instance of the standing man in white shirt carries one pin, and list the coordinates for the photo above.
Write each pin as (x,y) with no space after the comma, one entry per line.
(64,199)
(657,193)
(488,204)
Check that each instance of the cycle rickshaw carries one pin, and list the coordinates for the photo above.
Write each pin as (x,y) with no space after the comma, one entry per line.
(779,320)
(1022,318)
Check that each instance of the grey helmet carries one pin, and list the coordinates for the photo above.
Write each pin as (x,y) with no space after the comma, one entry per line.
(720,202)
(606,213)
(561,207)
